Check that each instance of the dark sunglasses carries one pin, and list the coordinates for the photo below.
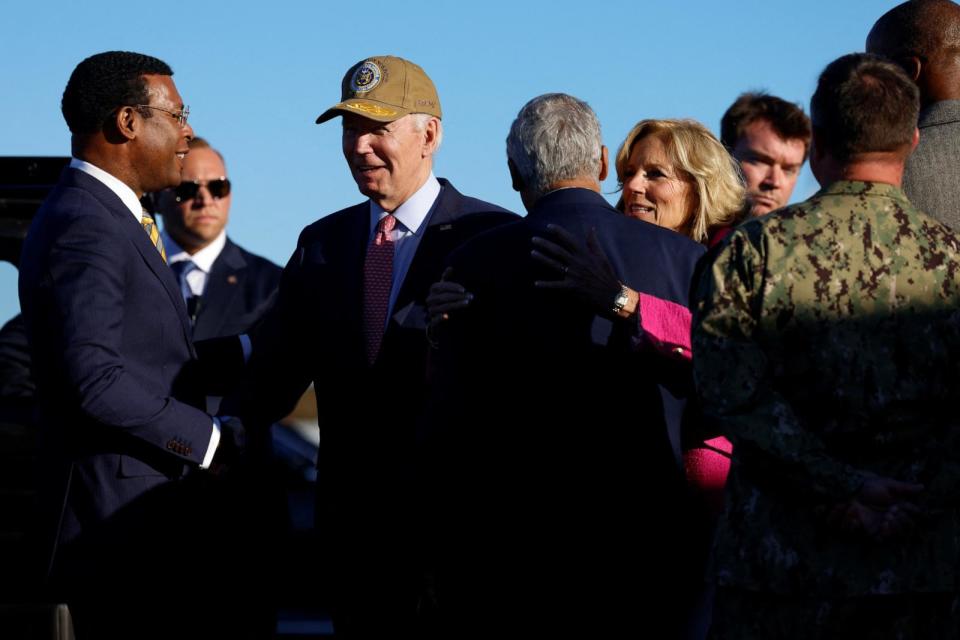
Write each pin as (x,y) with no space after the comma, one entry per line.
(219,188)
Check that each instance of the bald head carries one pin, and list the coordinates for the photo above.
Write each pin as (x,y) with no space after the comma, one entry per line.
(923,36)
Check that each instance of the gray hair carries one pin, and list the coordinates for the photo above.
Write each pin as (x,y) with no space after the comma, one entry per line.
(554,137)
(420,121)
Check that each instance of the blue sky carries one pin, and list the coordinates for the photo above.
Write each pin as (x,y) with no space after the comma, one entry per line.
(256,75)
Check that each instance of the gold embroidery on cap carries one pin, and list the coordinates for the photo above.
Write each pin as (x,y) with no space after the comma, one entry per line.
(372,109)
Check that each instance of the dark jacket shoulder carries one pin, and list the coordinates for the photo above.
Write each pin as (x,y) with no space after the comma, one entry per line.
(266,269)
(451,207)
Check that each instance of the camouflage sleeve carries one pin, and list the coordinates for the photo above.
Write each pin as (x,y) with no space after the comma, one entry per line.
(733,378)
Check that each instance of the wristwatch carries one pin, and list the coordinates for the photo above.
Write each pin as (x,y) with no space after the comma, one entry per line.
(621,300)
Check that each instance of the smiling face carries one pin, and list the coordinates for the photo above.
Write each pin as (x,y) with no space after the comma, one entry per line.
(770,165)
(388,160)
(162,142)
(655,190)
(196,222)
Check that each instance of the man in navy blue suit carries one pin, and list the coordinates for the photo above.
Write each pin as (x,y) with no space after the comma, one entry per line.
(557,497)
(111,349)
(226,287)
(351,318)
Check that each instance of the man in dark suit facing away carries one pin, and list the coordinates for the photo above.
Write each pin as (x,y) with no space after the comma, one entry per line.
(351,317)
(226,288)
(110,342)
(557,495)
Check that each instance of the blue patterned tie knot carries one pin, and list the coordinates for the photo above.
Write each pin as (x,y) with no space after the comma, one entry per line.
(180,269)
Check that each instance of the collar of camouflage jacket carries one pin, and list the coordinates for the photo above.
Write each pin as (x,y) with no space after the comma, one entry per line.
(866,189)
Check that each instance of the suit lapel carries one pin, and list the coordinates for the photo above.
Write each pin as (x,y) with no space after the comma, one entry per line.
(344,250)
(439,222)
(141,241)
(222,291)
(354,253)
(161,269)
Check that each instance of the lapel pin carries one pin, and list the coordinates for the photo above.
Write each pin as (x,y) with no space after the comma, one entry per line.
(231,279)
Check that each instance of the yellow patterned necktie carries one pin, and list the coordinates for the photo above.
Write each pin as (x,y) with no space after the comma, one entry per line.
(151,228)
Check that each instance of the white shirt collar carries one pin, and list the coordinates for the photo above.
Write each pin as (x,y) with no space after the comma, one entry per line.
(123,192)
(204,258)
(413,212)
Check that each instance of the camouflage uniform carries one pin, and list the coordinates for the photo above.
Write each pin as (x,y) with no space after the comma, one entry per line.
(826,344)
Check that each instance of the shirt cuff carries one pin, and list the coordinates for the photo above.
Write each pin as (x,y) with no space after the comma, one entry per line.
(246,345)
(212,447)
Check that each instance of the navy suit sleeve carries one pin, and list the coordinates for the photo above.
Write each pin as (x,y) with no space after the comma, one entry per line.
(16,380)
(88,284)
(278,371)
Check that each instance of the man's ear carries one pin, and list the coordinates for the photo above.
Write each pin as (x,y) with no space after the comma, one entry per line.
(431,136)
(604,164)
(125,123)
(915,140)
(914,67)
(515,177)
(819,157)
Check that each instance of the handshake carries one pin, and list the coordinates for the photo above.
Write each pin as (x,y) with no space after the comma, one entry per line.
(883,509)
(233,443)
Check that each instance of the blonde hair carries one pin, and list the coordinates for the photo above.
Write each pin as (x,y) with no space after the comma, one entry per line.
(697,153)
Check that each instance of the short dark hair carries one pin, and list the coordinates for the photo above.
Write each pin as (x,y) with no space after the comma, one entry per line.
(105,81)
(918,28)
(864,103)
(787,119)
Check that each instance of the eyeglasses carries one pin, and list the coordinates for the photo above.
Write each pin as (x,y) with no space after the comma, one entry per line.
(181,115)
(218,188)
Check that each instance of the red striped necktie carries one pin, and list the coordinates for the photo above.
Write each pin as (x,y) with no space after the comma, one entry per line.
(377,282)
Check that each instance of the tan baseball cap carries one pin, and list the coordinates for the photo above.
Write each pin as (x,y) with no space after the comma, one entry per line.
(385,88)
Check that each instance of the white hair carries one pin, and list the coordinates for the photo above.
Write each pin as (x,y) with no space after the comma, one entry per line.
(554,137)
(420,121)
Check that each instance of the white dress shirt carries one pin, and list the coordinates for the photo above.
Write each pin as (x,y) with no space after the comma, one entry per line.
(203,259)
(411,218)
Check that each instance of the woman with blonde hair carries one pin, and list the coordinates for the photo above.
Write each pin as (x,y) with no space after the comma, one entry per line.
(676,174)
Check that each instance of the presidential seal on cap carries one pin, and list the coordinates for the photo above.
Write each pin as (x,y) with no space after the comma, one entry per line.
(385,88)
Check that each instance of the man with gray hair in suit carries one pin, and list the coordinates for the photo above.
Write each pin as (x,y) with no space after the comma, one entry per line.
(537,505)
(923,37)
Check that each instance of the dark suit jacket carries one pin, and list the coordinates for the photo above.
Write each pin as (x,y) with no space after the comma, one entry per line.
(239,291)
(367,414)
(109,337)
(556,483)
(16,381)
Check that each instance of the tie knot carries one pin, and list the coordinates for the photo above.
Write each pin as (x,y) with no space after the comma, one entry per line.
(146,220)
(384,227)
(182,267)
(387,223)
